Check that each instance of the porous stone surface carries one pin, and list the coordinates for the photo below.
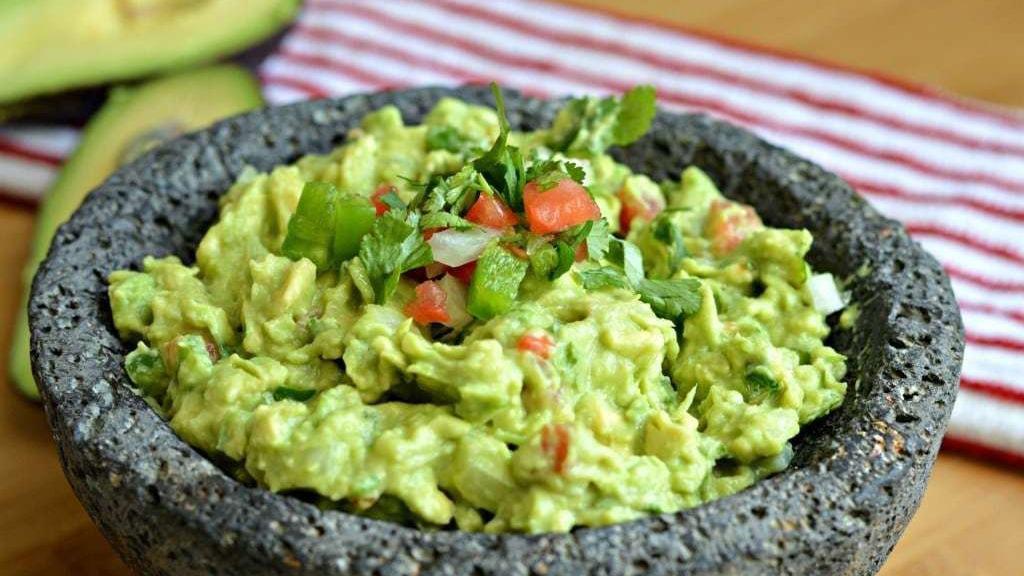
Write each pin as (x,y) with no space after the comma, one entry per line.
(857,477)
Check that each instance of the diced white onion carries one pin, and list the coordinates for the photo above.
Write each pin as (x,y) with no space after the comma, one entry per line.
(455,301)
(825,294)
(458,247)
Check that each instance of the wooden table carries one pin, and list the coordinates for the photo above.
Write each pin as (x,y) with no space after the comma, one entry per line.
(970,520)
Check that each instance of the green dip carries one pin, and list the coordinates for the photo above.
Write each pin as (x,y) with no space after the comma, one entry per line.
(561,388)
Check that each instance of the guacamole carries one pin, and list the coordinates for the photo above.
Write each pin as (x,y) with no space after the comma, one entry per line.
(451,325)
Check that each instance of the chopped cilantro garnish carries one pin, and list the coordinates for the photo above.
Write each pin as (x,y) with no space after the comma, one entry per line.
(502,165)
(636,110)
(286,393)
(671,299)
(393,246)
(598,239)
(547,173)
(627,256)
(760,382)
(603,277)
(444,220)
(670,235)
(393,201)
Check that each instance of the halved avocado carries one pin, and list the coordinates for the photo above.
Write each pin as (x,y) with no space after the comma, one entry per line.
(53,45)
(131,122)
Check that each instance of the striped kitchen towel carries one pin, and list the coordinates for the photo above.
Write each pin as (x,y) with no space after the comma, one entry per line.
(951,170)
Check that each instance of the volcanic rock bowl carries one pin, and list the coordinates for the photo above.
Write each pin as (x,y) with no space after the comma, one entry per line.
(857,477)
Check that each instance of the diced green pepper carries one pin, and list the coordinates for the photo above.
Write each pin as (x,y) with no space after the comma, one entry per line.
(495,282)
(353,219)
(311,228)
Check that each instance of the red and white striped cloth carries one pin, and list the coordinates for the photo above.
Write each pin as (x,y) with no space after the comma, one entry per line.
(951,170)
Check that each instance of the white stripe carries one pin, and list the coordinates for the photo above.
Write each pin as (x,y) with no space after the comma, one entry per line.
(986,420)
(835,85)
(966,258)
(25,178)
(993,325)
(953,218)
(991,364)
(52,140)
(402,72)
(1005,300)
(329,81)
(277,95)
(929,151)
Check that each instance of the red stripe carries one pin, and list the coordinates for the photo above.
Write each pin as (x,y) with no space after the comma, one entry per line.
(330,35)
(26,153)
(996,342)
(987,309)
(313,90)
(994,209)
(1001,391)
(693,68)
(351,72)
(678,98)
(980,109)
(990,283)
(981,451)
(996,250)
(11,198)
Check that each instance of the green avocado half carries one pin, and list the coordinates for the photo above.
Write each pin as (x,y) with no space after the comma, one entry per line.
(132,121)
(54,45)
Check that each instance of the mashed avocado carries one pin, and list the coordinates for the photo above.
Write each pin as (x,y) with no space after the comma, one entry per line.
(451,325)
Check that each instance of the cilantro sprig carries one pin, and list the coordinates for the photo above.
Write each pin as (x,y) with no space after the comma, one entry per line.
(394,245)
(502,166)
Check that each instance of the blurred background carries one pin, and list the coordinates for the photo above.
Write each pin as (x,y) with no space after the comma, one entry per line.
(916,104)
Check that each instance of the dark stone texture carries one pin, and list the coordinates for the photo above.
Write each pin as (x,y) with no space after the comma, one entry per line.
(857,477)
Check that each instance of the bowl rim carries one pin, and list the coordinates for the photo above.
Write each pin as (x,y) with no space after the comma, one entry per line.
(884,453)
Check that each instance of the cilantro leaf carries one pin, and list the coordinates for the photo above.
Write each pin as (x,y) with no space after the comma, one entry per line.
(393,246)
(760,382)
(547,173)
(598,239)
(627,256)
(603,277)
(566,254)
(392,200)
(444,220)
(502,166)
(287,393)
(669,234)
(671,299)
(636,110)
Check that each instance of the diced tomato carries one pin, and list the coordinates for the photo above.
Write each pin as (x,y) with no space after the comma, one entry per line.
(728,224)
(490,211)
(464,273)
(536,343)
(429,304)
(376,198)
(554,441)
(636,207)
(428,232)
(563,205)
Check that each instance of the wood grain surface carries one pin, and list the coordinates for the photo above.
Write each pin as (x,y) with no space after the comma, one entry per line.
(970,521)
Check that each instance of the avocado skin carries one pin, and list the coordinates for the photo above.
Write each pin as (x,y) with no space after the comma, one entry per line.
(128,116)
(857,477)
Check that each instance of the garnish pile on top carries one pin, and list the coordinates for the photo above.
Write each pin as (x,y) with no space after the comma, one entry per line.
(489,225)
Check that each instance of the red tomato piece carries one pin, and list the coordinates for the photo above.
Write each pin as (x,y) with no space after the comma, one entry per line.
(581,252)
(636,207)
(539,344)
(429,304)
(490,211)
(554,441)
(428,232)
(464,273)
(377,202)
(728,224)
(564,205)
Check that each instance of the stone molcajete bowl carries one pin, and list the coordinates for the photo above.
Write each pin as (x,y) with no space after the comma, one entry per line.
(857,477)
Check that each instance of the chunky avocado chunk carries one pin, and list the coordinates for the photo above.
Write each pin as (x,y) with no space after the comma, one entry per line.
(132,121)
(53,45)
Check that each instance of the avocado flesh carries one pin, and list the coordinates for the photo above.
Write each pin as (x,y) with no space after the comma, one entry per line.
(132,121)
(54,45)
